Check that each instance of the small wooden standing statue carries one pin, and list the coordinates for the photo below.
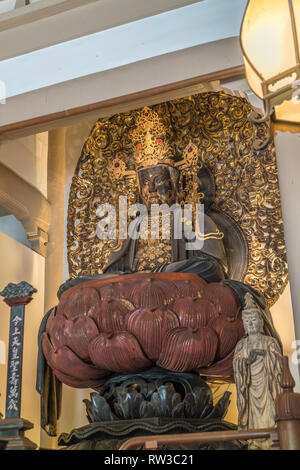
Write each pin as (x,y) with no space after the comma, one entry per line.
(257,366)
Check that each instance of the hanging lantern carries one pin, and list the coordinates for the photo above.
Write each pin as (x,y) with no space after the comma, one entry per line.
(270,39)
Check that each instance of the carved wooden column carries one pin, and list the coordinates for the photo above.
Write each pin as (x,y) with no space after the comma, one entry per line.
(55,249)
(56,172)
(12,428)
(288,412)
(288,162)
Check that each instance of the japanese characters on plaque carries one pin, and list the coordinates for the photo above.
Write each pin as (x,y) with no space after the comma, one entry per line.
(14,371)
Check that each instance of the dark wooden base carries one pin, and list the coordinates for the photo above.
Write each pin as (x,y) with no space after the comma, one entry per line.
(12,433)
(111,435)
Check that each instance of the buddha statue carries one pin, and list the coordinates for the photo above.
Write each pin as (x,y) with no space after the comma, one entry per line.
(104,324)
(159,185)
(159,178)
(168,181)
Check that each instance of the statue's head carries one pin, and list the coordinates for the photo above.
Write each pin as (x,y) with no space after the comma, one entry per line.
(154,159)
(252,318)
(158,185)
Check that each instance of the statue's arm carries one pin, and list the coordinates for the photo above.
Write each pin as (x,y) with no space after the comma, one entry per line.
(275,364)
(203,265)
(241,377)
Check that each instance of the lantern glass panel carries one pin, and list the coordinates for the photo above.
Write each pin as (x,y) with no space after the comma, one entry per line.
(267,39)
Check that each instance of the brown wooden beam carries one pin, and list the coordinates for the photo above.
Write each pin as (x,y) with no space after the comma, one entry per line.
(60,119)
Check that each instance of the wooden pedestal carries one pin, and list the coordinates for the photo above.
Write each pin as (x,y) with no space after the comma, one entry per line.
(12,434)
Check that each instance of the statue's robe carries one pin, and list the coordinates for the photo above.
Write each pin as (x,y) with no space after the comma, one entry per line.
(209,262)
(258,384)
(48,386)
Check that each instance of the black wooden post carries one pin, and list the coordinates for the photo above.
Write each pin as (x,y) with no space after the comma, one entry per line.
(12,428)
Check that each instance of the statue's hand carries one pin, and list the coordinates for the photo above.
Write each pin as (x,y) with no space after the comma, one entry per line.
(260,352)
(254,353)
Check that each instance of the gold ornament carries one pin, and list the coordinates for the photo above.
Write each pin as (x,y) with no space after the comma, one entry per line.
(190,157)
(117,169)
(151,143)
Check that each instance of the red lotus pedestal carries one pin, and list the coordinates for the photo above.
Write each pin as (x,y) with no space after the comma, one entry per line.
(130,323)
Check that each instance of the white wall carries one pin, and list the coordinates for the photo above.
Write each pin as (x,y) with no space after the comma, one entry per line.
(288,162)
(283,318)
(14,228)
(27,157)
(7,5)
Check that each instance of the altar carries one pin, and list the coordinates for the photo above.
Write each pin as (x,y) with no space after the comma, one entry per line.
(143,302)
(148,231)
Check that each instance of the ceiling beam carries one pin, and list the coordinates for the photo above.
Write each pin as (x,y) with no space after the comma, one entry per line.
(171,71)
(115,105)
(45,23)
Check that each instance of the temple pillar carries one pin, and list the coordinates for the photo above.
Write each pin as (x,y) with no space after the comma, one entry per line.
(288,163)
(54,260)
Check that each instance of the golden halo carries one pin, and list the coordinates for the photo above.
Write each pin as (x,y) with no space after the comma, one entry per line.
(245,177)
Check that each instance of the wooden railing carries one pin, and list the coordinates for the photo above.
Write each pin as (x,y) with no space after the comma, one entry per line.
(154,442)
(285,437)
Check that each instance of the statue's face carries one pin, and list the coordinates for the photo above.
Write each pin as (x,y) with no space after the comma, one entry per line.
(252,323)
(156,186)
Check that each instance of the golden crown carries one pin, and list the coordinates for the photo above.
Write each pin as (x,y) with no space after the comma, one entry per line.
(151,148)
(150,140)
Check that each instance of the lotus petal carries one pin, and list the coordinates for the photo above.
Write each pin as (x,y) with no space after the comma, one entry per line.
(222,368)
(193,312)
(150,292)
(150,326)
(55,328)
(110,314)
(79,333)
(190,287)
(228,333)
(79,383)
(111,291)
(118,352)
(185,349)
(66,361)
(77,302)
(224,299)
